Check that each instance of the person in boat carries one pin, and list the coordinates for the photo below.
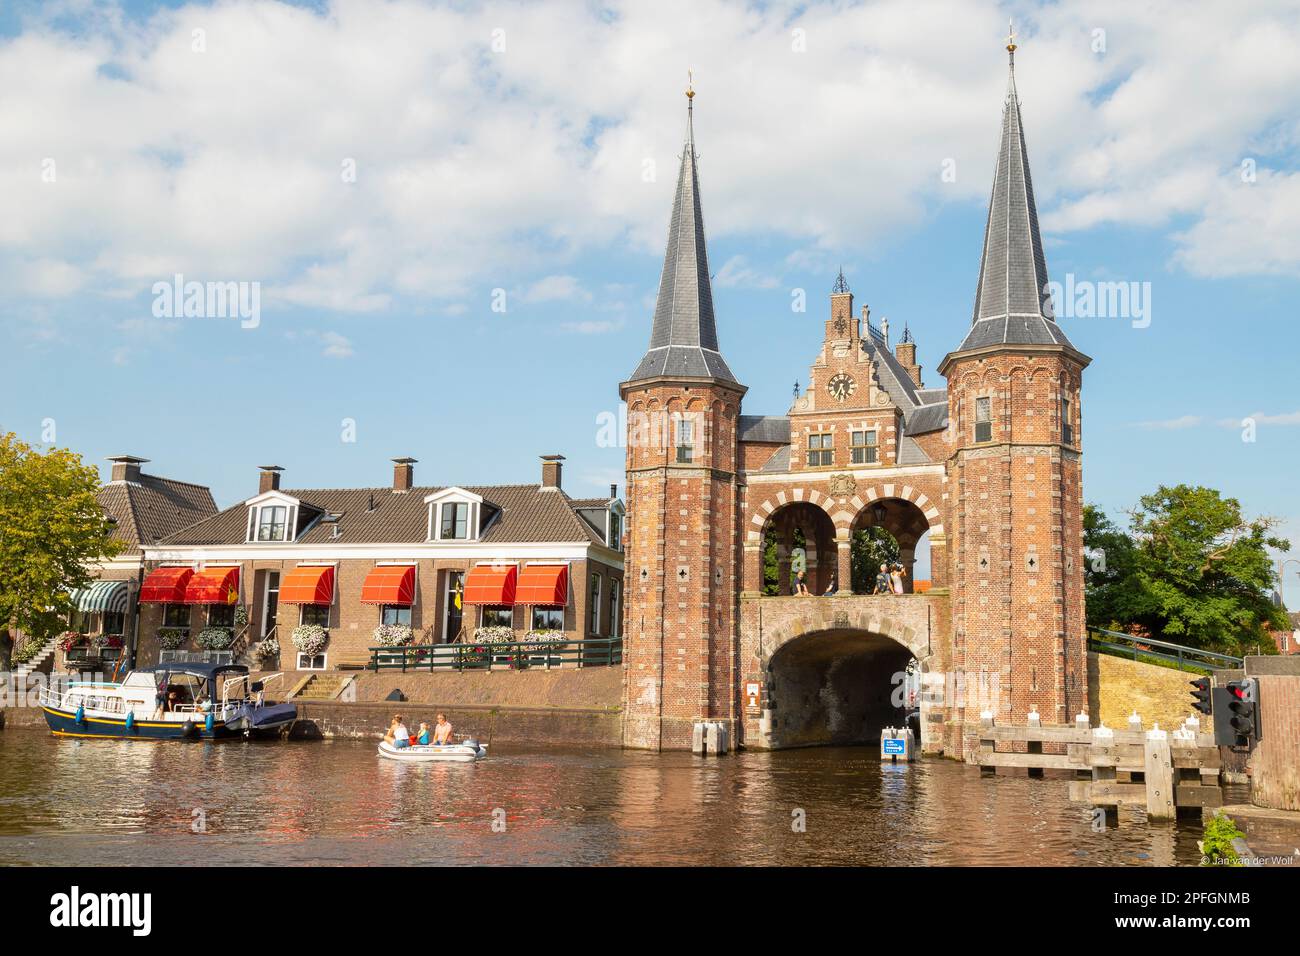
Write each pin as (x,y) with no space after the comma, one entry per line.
(423,738)
(442,731)
(391,734)
(401,736)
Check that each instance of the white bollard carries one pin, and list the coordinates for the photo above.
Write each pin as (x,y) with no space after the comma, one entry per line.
(1134,721)
(1034,718)
(1081,721)
(697,738)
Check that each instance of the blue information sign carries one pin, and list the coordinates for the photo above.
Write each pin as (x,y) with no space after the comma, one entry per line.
(894,745)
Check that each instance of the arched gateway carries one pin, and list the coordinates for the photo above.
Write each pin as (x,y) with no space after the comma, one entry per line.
(985,467)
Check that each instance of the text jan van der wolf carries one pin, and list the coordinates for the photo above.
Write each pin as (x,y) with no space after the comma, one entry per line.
(74,909)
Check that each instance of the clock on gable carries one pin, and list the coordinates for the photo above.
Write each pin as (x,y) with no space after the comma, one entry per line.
(841,386)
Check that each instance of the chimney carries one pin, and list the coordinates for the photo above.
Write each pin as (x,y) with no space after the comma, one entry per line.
(403,475)
(551,469)
(905,352)
(269,479)
(126,467)
(613,492)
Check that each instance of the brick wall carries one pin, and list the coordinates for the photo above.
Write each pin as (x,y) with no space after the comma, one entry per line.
(1117,687)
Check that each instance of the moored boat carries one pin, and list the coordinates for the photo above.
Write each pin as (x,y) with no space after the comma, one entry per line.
(464,752)
(167,702)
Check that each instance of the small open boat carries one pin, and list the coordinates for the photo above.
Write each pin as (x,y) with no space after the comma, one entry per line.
(464,752)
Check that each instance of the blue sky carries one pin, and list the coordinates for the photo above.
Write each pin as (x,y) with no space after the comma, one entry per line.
(503,147)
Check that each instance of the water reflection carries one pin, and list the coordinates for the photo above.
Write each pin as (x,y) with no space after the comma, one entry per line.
(118,802)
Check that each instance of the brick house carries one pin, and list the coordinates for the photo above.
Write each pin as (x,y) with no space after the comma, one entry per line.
(143,508)
(986,467)
(442,561)
(1288,641)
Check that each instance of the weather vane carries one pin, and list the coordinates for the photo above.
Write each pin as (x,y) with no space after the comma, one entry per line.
(1011,37)
(690,86)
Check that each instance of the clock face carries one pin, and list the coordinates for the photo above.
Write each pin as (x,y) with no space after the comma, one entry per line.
(841,386)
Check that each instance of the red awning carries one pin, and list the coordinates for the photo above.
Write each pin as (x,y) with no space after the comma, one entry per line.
(308,585)
(214,586)
(543,585)
(491,584)
(165,586)
(390,584)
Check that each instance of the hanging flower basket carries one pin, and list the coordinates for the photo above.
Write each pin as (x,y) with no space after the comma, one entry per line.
(215,638)
(310,639)
(392,635)
(241,615)
(544,640)
(267,649)
(170,638)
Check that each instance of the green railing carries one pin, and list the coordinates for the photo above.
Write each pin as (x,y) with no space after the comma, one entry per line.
(518,655)
(1126,645)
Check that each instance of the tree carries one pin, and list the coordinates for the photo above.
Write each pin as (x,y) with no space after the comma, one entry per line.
(52,533)
(1115,597)
(870,548)
(1207,568)
(1200,571)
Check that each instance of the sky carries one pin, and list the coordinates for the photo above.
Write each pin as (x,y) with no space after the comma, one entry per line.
(453,216)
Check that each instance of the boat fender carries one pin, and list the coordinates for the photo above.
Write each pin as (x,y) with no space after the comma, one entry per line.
(81,713)
(130,720)
(187,730)
(471,742)
(208,723)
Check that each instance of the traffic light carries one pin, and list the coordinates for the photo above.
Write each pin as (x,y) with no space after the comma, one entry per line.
(1201,695)
(1236,722)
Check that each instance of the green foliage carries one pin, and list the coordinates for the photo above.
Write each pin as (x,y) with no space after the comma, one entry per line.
(1193,570)
(52,531)
(871,547)
(1216,845)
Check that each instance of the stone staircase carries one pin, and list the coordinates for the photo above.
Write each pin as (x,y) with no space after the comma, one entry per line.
(35,664)
(320,687)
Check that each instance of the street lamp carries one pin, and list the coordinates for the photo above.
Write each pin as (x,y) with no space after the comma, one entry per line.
(1281,577)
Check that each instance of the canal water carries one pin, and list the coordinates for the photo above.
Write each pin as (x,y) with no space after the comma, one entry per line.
(97,802)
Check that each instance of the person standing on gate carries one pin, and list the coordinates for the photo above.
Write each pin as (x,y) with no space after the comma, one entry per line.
(896,578)
(882,580)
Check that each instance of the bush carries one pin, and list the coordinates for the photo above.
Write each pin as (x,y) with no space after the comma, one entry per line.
(21,655)
(1216,847)
(267,649)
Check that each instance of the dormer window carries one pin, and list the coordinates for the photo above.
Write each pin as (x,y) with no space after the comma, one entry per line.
(457,515)
(615,539)
(274,517)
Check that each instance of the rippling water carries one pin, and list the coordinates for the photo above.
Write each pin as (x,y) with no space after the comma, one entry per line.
(336,802)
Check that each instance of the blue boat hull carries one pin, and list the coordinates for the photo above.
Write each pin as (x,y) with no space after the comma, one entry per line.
(65,724)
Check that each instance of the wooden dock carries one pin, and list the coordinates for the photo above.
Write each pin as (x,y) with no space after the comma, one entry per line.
(1164,772)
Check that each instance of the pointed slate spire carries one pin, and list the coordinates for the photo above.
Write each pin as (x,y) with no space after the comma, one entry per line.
(684,339)
(1011,302)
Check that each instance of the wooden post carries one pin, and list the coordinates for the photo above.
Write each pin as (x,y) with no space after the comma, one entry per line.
(1159,772)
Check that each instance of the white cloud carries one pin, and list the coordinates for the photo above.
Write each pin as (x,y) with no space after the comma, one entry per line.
(556,288)
(1173,424)
(336,346)
(736,273)
(235,163)
(595,327)
(1263,418)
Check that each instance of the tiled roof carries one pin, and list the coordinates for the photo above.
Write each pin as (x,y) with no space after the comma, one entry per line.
(764,428)
(523,513)
(148,508)
(684,338)
(780,460)
(1011,302)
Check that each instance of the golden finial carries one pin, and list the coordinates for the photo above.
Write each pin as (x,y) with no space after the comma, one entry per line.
(690,86)
(1011,37)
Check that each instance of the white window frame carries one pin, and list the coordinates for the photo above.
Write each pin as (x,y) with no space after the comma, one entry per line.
(324,661)
(615,596)
(987,401)
(266,600)
(612,541)
(870,447)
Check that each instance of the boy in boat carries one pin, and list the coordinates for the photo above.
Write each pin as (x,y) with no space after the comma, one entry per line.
(442,731)
(423,737)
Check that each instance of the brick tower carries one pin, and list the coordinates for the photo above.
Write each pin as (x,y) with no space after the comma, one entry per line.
(682,499)
(1014,474)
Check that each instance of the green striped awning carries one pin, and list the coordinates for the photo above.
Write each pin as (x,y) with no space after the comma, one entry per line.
(102,596)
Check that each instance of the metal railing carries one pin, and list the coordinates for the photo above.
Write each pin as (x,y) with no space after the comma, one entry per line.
(195,657)
(517,655)
(1126,645)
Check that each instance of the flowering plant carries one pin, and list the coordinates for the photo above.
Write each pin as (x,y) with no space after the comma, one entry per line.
(267,648)
(392,635)
(215,638)
(310,638)
(537,640)
(494,634)
(70,639)
(170,638)
(241,615)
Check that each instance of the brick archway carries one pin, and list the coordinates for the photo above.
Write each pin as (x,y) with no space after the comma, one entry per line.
(844,510)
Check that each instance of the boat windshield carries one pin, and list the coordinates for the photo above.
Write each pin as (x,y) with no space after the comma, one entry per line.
(184,693)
